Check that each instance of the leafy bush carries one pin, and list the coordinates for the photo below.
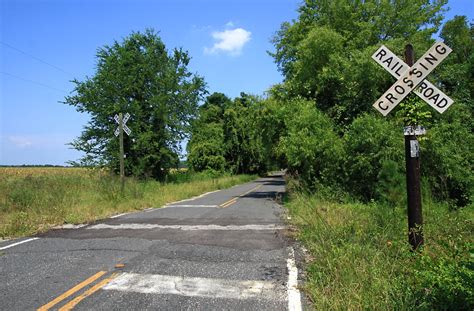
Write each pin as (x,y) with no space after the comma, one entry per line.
(311,147)
(206,149)
(448,161)
(390,187)
(375,153)
(445,284)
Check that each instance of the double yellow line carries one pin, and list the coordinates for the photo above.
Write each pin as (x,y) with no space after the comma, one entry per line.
(233,200)
(228,203)
(71,304)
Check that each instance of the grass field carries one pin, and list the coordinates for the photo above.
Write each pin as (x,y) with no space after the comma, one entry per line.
(35,199)
(359,259)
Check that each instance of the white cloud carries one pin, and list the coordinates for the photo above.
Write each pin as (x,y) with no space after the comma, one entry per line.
(229,41)
(197,29)
(20,141)
(35,141)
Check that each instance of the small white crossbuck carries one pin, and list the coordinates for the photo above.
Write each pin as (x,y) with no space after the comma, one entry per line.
(126,129)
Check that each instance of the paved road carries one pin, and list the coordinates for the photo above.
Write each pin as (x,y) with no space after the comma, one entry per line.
(223,250)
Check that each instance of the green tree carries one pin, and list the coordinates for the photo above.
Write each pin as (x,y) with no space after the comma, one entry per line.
(457,73)
(141,77)
(310,145)
(206,145)
(324,55)
(374,149)
(229,134)
(244,147)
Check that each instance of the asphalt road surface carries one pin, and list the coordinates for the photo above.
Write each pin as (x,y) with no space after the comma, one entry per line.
(224,250)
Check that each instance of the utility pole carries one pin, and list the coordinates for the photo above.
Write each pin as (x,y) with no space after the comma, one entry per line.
(412,160)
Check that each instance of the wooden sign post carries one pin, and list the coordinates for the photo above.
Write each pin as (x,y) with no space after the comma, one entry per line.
(122,127)
(411,77)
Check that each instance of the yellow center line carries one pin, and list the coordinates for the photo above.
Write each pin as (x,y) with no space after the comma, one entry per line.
(72,291)
(234,200)
(71,304)
(228,203)
(251,190)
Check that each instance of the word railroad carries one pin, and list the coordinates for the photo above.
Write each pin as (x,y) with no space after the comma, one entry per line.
(412,78)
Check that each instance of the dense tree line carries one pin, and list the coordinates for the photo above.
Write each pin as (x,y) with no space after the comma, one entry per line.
(319,123)
(227,136)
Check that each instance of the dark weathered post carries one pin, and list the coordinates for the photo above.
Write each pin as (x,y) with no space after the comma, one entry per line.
(122,164)
(412,158)
(409,77)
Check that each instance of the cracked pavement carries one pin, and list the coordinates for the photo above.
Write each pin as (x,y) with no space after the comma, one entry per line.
(225,250)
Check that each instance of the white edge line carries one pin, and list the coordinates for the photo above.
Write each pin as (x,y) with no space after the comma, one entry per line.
(191,205)
(167,204)
(69,226)
(294,295)
(18,243)
(193,198)
(118,215)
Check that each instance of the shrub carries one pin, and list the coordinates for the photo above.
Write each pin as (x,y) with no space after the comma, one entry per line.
(310,145)
(445,284)
(206,149)
(390,187)
(448,160)
(372,141)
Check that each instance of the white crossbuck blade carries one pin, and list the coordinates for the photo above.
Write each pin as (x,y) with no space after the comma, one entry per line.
(126,117)
(126,129)
(410,78)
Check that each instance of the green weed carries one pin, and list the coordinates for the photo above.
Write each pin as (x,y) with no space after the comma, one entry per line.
(360,259)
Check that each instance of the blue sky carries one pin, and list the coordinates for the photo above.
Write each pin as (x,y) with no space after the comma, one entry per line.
(45,43)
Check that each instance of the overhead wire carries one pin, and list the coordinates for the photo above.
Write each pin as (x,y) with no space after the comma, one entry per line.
(36,58)
(34,82)
(39,60)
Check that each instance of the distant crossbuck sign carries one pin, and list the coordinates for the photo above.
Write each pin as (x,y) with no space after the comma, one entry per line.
(126,129)
(410,79)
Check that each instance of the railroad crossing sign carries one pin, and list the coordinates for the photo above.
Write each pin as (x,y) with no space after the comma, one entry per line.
(409,78)
(126,129)
(122,127)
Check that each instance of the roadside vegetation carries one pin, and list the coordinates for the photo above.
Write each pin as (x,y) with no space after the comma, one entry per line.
(359,258)
(346,161)
(33,200)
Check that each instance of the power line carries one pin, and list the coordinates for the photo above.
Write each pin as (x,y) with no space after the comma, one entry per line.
(34,82)
(36,58)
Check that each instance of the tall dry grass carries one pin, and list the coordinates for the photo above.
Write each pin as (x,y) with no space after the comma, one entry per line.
(35,199)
